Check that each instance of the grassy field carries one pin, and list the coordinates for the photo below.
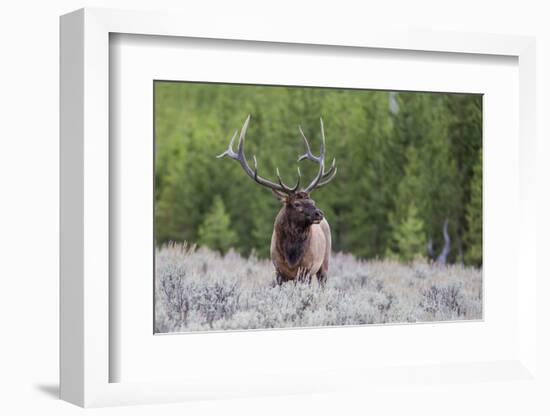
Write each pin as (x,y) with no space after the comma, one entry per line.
(197,289)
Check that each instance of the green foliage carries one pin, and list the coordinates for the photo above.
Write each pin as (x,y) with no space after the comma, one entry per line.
(430,168)
(409,237)
(474,254)
(215,231)
(408,228)
(393,150)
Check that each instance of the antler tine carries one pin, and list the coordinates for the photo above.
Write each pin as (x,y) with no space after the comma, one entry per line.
(286,187)
(308,155)
(315,181)
(240,148)
(326,181)
(229,152)
(299,179)
(322,177)
(330,170)
(241,158)
(322,155)
(255,168)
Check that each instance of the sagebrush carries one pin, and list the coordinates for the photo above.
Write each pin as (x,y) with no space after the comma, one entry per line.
(198,289)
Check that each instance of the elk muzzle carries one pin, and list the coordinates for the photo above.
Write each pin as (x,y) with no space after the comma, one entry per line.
(318,216)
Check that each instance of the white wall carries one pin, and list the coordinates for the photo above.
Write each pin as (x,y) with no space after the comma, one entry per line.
(29,189)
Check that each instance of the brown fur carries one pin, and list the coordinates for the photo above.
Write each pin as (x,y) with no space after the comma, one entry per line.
(301,242)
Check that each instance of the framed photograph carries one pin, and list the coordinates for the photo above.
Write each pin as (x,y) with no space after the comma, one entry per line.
(267,213)
(397,238)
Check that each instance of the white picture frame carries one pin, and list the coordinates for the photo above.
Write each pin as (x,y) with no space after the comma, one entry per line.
(86,305)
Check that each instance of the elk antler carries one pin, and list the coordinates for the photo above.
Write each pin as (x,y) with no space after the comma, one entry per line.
(322,177)
(241,158)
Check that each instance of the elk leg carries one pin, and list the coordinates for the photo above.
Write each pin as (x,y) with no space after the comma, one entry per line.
(304,278)
(280,278)
(322,278)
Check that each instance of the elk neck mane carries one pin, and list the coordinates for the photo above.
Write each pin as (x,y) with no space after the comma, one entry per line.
(292,238)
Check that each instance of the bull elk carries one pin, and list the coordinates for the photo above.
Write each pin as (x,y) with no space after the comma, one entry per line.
(301,242)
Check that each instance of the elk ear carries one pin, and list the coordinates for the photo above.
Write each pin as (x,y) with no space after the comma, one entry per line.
(281,196)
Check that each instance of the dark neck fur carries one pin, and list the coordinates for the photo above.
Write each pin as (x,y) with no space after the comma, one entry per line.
(292,239)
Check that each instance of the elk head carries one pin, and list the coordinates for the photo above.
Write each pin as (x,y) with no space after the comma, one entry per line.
(301,210)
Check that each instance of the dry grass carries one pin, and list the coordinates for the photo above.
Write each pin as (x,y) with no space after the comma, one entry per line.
(198,289)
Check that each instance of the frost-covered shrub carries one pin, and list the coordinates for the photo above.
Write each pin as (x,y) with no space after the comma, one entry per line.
(197,289)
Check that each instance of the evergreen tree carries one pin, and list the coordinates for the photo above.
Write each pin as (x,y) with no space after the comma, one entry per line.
(171,212)
(372,180)
(465,131)
(215,231)
(422,123)
(409,237)
(474,217)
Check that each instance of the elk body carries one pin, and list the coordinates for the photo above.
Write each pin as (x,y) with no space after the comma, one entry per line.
(301,241)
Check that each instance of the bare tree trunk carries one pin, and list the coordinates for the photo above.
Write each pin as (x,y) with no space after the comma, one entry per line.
(442,258)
